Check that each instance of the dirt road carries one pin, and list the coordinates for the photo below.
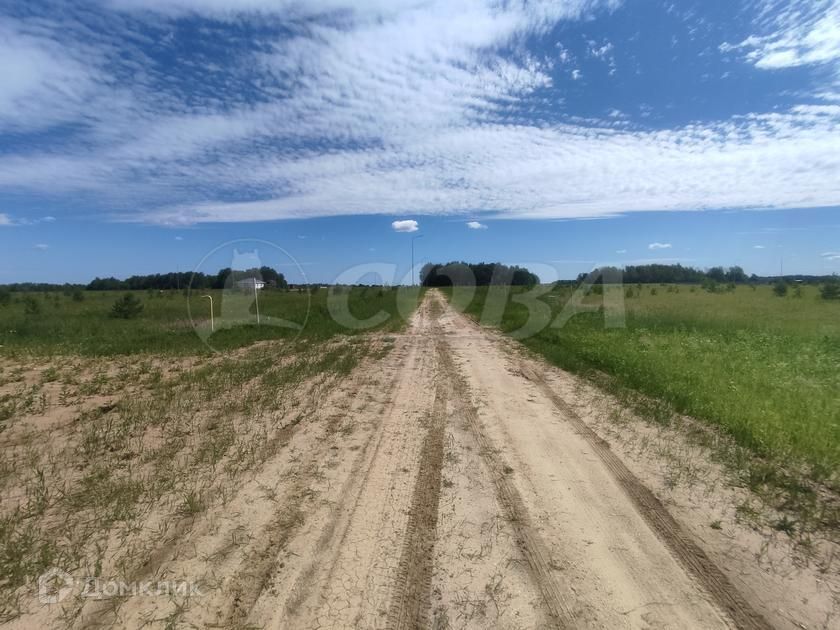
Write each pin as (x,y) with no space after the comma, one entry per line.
(451,482)
(480,500)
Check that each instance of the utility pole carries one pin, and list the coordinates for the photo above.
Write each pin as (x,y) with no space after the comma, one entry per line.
(212,323)
(256,300)
(413,238)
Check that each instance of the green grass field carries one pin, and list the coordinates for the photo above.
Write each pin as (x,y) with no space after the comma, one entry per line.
(58,324)
(763,368)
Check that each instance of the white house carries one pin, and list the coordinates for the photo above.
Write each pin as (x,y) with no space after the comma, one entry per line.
(250,284)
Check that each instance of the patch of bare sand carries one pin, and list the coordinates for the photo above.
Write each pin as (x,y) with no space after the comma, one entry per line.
(222,481)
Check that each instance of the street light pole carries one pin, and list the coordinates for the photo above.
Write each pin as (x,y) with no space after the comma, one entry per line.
(413,238)
(212,323)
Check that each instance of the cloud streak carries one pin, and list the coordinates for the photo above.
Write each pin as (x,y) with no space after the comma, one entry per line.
(325,108)
(797,33)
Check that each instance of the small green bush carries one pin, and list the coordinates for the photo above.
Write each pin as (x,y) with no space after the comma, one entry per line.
(31,306)
(831,289)
(127,307)
(710,285)
(780,288)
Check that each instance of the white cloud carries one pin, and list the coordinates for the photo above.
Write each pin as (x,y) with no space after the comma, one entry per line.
(621,251)
(831,255)
(6,220)
(41,246)
(475,225)
(179,238)
(44,82)
(408,225)
(290,8)
(794,33)
(659,246)
(417,104)
(758,246)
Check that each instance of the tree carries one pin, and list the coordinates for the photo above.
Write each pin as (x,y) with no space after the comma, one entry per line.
(273,277)
(831,289)
(717,274)
(736,274)
(475,274)
(127,307)
(105,284)
(221,278)
(780,288)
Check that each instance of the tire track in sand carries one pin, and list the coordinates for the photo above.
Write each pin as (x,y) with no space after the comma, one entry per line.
(410,604)
(529,540)
(354,575)
(666,528)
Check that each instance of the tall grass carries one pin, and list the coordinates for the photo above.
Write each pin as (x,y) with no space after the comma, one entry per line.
(167,323)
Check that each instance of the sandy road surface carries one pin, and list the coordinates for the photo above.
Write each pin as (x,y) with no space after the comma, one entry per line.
(481,501)
(446,483)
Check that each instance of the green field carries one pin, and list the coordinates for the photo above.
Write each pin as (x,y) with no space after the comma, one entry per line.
(60,324)
(763,368)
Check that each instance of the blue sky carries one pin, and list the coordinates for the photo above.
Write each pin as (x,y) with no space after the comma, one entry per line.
(138,135)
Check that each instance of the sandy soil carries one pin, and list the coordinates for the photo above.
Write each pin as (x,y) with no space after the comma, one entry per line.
(458,483)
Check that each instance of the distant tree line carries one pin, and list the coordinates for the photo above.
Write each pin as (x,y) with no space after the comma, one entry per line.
(40,287)
(668,274)
(182,280)
(478,274)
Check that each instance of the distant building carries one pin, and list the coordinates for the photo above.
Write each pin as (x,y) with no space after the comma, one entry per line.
(250,284)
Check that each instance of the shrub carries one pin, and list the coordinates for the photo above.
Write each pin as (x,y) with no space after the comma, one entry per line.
(78,296)
(5,297)
(31,306)
(628,293)
(710,285)
(780,288)
(831,289)
(127,307)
